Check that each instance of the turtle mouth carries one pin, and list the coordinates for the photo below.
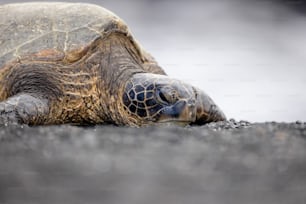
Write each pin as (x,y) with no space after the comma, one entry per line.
(182,112)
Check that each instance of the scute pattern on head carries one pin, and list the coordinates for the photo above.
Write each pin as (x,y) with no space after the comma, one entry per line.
(138,99)
(150,97)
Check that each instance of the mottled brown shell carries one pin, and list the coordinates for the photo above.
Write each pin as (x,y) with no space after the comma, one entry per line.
(60,30)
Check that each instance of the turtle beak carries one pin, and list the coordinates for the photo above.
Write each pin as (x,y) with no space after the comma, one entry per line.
(207,110)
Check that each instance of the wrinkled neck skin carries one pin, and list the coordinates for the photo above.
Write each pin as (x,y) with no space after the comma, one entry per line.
(118,61)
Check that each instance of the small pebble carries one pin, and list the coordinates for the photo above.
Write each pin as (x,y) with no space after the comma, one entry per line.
(229,124)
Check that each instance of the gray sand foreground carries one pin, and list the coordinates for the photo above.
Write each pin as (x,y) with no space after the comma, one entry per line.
(225,162)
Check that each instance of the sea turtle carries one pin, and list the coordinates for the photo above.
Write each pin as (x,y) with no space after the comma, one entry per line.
(78,63)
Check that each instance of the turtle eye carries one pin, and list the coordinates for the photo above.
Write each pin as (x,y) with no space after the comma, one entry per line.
(163,97)
(167,96)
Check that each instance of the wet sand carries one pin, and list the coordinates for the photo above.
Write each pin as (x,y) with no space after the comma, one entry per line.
(226,162)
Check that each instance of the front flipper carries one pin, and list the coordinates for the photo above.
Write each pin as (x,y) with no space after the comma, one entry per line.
(23,109)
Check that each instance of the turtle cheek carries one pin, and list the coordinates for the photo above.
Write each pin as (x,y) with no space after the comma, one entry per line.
(126,100)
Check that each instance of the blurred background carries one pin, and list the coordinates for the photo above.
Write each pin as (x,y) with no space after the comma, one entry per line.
(248,56)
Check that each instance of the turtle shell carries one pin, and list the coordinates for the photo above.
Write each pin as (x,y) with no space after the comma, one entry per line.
(64,29)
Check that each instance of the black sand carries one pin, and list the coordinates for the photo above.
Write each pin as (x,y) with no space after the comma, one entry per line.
(230,162)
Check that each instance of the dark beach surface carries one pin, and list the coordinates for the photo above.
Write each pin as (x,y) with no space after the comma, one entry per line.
(225,162)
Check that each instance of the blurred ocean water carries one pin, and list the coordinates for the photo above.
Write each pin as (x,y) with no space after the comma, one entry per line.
(248,56)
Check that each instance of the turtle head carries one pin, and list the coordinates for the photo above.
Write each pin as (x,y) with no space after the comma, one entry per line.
(150,98)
